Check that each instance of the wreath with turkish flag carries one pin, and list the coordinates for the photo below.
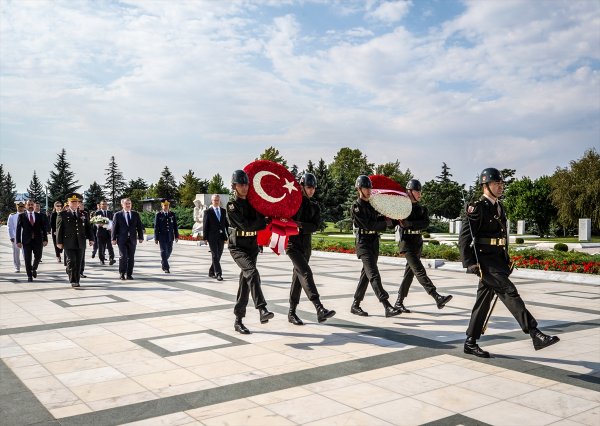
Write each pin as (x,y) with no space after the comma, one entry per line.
(274,192)
(389,198)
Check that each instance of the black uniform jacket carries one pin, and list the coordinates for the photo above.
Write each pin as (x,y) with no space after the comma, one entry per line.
(165,227)
(26,233)
(417,220)
(243,217)
(308,218)
(486,221)
(72,229)
(366,218)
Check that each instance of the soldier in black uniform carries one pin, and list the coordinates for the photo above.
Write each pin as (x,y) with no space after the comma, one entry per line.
(368,223)
(72,229)
(299,248)
(245,221)
(411,245)
(165,232)
(483,246)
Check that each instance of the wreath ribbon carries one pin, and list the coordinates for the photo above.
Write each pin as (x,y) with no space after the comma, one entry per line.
(277,234)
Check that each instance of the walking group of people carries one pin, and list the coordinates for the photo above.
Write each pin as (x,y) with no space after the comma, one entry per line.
(483,245)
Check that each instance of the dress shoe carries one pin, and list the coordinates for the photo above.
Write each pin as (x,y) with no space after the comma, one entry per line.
(83,275)
(357,310)
(17,271)
(123,276)
(30,279)
(239,326)
(212,275)
(112,261)
(399,306)
(541,340)
(265,315)
(390,311)
(41,260)
(441,300)
(58,259)
(34,273)
(293,318)
(472,348)
(219,278)
(129,277)
(74,284)
(102,262)
(93,255)
(323,314)
(167,271)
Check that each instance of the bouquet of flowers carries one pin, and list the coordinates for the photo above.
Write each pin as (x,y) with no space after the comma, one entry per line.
(99,220)
(389,198)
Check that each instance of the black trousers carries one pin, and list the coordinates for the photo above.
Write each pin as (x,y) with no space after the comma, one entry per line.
(302,277)
(74,259)
(126,256)
(166,248)
(414,268)
(249,280)
(103,245)
(95,246)
(32,254)
(495,282)
(216,251)
(56,249)
(370,273)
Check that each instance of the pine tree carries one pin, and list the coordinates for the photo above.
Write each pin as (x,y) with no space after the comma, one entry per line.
(136,191)
(272,154)
(62,180)
(216,185)
(189,187)
(446,175)
(294,171)
(7,194)
(166,187)
(35,191)
(93,196)
(115,183)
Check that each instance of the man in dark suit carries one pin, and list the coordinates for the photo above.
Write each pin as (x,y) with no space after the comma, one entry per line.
(127,230)
(165,232)
(103,234)
(72,229)
(31,236)
(215,232)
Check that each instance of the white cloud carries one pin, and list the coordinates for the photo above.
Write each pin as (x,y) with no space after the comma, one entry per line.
(390,11)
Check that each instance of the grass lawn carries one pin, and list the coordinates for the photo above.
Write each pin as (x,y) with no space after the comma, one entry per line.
(595,239)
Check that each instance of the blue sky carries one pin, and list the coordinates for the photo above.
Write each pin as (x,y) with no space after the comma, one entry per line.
(208,85)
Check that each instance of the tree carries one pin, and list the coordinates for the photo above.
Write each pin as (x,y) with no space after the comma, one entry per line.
(443,197)
(272,154)
(189,187)
(348,164)
(216,185)
(325,194)
(576,191)
(35,191)
(136,191)
(530,200)
(166,187)
(294,171)
(392,170)
(7,194)
(446,175)
(93,196)
(115,183)
(62,180)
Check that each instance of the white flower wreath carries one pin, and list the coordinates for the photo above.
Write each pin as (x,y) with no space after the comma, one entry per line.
(390,203)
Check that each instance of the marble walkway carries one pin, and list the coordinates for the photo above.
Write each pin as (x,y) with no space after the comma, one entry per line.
(161,350)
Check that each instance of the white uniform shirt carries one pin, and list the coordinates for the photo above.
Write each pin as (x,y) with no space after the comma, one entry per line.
(12,225)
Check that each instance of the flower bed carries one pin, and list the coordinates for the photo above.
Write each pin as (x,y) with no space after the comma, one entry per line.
(189,238)
(564,265)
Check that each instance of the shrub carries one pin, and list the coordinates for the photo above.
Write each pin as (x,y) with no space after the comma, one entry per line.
(344,225)
(561,247)
(425,234)
(434,242)
(441,251)
(438,226)
(519,241)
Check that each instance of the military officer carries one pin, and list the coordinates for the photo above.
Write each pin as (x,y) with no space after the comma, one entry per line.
(245,221)
(368,224)
(72,229)
(299,246)
(411,245)
(483,244)
(165,232)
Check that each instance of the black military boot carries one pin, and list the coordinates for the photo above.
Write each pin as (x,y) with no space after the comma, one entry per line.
(265,315)
(322,313)
(239,326)
(292,317)
(472,348)
(441,300)
(541,340)
(399,306)
(390,311)
(357,310)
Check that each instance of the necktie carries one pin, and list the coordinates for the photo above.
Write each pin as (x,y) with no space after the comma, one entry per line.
(31,218)
(218,213)
(128,218)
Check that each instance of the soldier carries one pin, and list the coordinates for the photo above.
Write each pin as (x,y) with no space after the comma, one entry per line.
(31,236)
(72,229)
(368,223)
(245,221)
(308,219)
(11,223)
(483,246)
(103,235)
(411,245)
(165,232)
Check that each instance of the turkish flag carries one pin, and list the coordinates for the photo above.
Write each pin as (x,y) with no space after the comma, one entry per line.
(274,192)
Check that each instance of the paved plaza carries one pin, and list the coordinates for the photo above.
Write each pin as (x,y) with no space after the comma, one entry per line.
(161,350)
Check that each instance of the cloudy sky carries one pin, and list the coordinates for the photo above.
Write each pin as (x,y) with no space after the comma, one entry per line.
(208,85)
